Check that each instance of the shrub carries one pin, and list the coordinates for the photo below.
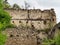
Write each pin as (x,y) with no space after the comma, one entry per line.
(54,41)
(2,39)
(57,39)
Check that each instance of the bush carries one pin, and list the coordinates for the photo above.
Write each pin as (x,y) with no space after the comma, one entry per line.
(4,22)
(2,39)
(11,26)
(48,42)
(4,19)
(57,39)
(54,41)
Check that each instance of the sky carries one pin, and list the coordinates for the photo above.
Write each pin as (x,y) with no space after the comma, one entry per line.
(40,4)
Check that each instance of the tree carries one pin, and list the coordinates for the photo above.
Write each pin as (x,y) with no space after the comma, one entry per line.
(15,6)
(6,4)
(27,5)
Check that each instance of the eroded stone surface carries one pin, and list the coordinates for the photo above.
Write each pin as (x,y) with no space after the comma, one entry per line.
(40,19)
(25,36)
(36,19)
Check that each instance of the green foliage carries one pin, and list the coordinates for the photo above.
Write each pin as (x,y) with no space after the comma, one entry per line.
(2,39)
(48,42)
(6,4)
(11,26)
(55,40)
(4,19)
(1,4)
(16,6)
(4,22)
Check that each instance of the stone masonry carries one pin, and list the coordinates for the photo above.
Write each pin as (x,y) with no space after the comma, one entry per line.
(24,36)
(39,19)
(30,26)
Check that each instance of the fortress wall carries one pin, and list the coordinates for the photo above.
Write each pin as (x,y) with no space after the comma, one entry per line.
(34,18)
(23,14)
(46,14)
(54,19)
(39,19)
(20,37)
(23,22)
(15,22)
(19,22)
(53,15)
(39,24)
(36,24)
(18,14)
(35,14)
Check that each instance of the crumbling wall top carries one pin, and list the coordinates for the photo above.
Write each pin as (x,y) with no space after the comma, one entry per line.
(45,10)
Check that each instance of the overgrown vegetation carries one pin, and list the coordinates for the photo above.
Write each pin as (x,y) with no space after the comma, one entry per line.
(4,17)
(16,6)
(3,38)
(6,4)
(54,41)
(57,38)
(4,22)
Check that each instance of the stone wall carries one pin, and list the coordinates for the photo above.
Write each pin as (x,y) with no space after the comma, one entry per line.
(20,37)
(24,36)
(32,26)
(40,19)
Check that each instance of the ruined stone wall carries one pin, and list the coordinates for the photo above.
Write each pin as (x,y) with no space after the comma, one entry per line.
(24,36)
(20,37)
(40,19)
(34,18)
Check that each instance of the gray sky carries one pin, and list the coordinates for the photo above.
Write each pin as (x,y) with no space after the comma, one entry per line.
(41,4)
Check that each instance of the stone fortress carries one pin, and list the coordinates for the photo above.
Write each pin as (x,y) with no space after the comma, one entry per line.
(39,19)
